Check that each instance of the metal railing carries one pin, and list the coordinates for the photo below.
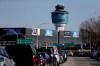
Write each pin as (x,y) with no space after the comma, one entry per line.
(7,42)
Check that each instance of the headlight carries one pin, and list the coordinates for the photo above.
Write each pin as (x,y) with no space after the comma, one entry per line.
(1,59)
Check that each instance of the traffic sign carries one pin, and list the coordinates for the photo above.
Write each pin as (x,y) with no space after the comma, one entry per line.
(67,44)
(24,41)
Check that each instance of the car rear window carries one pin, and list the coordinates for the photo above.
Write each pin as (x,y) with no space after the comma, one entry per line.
(19,53)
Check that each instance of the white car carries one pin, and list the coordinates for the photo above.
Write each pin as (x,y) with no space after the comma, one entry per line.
(5,60)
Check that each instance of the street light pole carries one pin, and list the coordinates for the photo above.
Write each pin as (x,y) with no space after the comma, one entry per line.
(37,33)
(58,37)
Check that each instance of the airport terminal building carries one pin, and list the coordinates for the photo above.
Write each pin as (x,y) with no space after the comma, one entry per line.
(23,35)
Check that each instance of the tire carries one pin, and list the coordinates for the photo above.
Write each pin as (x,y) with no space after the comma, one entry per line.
(4,65)
(57,64)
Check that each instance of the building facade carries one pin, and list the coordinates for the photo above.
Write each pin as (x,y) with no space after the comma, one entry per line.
(18,35)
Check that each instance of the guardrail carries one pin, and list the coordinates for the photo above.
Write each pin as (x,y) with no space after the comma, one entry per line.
(7,42)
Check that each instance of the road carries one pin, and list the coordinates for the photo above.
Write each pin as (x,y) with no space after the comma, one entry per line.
(81,61)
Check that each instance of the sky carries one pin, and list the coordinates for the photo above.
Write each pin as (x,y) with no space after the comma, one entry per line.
(32,13)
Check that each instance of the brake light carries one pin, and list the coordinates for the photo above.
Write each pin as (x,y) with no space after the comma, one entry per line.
(33,56)
(33,59)
(41,61)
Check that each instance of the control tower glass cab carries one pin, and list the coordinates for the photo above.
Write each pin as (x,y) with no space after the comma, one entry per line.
(59,17)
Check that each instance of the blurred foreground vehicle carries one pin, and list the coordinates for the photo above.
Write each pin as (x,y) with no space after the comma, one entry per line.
(23,55)
(5,60)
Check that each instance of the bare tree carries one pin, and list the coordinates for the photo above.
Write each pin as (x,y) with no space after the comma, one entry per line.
(90,29)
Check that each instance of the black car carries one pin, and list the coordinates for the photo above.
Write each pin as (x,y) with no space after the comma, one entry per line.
(46,57)
(50,53)
(23,55)
(55,54)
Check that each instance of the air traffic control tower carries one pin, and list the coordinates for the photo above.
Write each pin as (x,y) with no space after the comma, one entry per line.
(59,18)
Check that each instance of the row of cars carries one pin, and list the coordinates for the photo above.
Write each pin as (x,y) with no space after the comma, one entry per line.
(29,55)
(56,56)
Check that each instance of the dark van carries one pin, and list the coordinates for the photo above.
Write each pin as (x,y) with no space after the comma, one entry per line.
(23,55)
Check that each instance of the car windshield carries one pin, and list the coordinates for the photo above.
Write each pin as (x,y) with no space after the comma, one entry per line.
(44,54)
(48,48)
(49,51)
